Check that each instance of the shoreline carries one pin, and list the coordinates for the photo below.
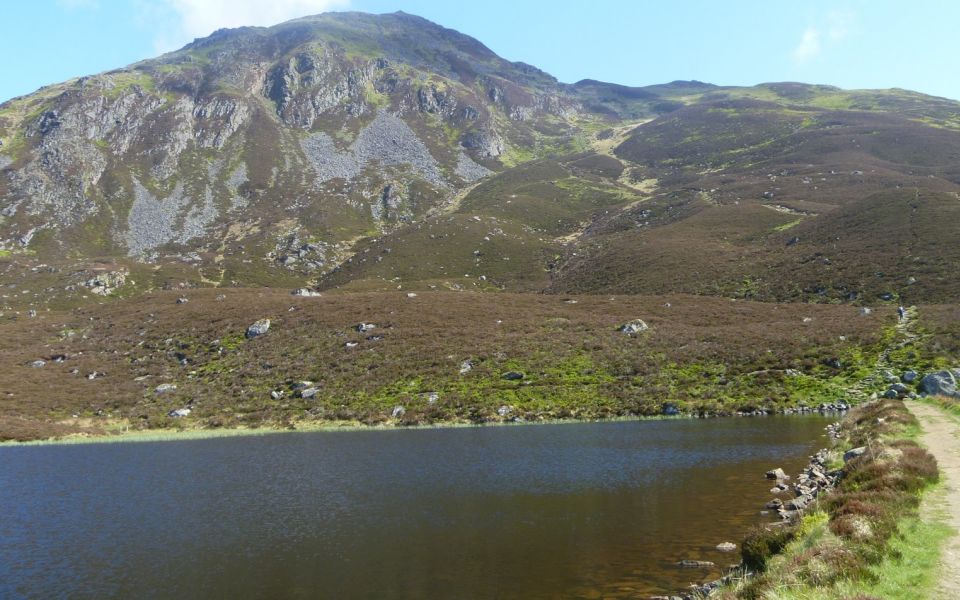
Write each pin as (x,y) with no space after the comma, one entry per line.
(188,434)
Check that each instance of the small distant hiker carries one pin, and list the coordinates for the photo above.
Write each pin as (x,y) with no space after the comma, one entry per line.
(902,313)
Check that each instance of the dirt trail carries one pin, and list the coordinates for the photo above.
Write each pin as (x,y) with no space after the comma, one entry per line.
(941,436)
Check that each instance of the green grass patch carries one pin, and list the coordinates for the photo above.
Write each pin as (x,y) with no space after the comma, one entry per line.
(788,225)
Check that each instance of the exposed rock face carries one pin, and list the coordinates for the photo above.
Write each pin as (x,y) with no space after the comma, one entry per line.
(487,143)
(391,205)
(104,283)
(160,154)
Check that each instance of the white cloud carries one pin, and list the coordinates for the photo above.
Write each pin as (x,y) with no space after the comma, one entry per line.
(198,18)
(809,46)
(829,30)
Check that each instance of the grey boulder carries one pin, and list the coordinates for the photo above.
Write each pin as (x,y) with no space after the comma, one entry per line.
(941,383)
(259,328)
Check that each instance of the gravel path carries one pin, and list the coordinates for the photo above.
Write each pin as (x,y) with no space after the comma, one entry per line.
(941,436)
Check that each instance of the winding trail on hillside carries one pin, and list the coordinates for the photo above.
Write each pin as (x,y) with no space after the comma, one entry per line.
(941,436)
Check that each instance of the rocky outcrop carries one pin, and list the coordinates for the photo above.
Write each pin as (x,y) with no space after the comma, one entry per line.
(103,283)
(436,101)
(333,120)
(486,143)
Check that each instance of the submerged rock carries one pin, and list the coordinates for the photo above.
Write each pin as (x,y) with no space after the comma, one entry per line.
(695,564)
(777,474)
(726,547)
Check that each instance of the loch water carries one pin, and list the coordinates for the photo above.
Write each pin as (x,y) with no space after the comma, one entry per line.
(574,510)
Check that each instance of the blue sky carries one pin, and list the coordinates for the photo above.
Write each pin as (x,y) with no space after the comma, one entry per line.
(848,43)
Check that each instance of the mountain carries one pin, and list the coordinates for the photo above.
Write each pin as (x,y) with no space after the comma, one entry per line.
(346,149)
(360,154)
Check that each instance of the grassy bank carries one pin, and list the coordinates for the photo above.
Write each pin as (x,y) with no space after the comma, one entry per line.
(865,539)
(122,432)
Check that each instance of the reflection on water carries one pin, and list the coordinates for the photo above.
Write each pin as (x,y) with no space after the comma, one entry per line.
(551,511)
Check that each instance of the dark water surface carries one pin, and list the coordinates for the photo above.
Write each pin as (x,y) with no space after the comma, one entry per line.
(550,511)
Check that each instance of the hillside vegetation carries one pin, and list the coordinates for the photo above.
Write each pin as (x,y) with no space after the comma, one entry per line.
(439,356)
(372,156)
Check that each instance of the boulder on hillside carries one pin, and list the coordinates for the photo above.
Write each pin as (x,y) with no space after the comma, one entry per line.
(306,293)
(941,383)
(259,328)
(897,390)
(909,376)
(853,453)
(633,327)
